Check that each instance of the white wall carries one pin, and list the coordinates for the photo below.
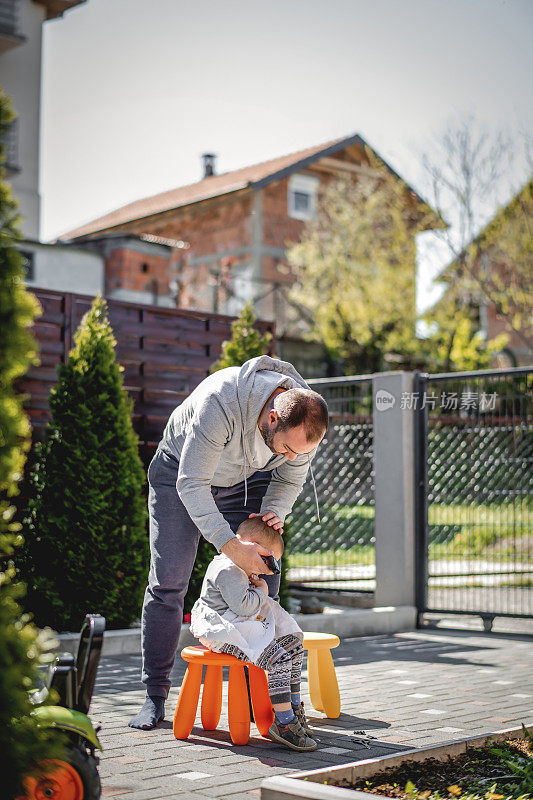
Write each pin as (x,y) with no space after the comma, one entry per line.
(65,269)
(144,298)
(20,76)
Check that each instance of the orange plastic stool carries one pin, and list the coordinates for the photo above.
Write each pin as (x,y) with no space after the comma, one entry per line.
(238,706)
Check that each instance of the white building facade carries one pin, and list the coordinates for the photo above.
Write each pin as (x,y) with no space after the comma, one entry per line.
(55,267)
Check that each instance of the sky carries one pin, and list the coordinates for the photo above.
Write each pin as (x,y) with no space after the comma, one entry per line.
(135,91)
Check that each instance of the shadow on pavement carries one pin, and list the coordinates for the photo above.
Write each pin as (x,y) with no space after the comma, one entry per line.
(408,647)
(343,736)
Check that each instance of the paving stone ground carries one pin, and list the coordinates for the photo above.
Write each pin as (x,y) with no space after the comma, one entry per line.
(407,690)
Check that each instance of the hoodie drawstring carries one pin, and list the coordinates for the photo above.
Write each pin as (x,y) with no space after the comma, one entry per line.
(245,466)
(314,488)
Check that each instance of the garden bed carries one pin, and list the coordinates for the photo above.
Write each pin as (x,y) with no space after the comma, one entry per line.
(469,768)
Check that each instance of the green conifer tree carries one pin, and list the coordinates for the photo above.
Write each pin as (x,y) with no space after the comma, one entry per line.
(22,743)
(86,541)
(246,341)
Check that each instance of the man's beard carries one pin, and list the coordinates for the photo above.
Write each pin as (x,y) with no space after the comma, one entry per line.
(268,435)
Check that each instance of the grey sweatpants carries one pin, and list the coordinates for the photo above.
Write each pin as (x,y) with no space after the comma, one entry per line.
(173,544)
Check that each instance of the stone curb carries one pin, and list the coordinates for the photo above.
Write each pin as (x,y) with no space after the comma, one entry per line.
(342,621)
(291,787)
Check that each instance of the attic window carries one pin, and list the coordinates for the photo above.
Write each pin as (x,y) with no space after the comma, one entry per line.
(303,194)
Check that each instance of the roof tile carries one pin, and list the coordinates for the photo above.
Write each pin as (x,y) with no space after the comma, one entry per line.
(213,186)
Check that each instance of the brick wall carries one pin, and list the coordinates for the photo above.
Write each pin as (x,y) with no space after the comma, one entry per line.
(211,229)
(128,269)
(279,230)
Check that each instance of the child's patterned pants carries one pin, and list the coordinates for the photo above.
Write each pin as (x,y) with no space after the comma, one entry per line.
(282,660)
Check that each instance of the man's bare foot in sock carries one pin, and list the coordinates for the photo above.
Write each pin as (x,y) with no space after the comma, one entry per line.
(152,712)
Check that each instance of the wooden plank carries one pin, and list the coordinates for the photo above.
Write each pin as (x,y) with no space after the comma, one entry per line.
(68,332)
(49,347)
(161,396)
(336,165)
(160,344)
(152,317)
(144,382)
(49,359)
(35,388)
(162,408)
(51,302)
(53,318)
(166,358)
(38,416)
(153,427)
(42,374)
(43,330)
(37,403)
(176,334)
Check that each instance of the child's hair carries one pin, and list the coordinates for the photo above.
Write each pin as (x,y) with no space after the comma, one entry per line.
(260,532)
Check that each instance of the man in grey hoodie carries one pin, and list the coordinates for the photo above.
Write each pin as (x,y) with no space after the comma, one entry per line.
(240,445)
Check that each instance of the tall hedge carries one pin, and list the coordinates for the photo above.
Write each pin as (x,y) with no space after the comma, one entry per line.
(246,342)
(22,744)
(86,545)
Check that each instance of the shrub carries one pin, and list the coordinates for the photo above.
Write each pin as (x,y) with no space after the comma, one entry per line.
(246,341)
(22,743)
(86,543)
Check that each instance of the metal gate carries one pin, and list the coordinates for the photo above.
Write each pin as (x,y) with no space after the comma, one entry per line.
(474,493)
(339,553)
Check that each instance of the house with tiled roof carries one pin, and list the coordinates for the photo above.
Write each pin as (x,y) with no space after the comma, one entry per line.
(217,243)
(501,255)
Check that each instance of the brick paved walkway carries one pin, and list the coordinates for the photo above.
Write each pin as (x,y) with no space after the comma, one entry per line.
(407,690)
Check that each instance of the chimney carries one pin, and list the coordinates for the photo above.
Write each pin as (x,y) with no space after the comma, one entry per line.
(209,164)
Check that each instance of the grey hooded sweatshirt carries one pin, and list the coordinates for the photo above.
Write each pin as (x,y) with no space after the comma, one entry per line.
(212,435)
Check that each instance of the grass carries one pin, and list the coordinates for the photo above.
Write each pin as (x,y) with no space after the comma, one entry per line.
(489,530)
(494,772)
(363,555)
(465,514)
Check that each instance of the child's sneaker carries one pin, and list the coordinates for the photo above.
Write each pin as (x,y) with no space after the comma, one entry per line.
(299,713)
(291,735)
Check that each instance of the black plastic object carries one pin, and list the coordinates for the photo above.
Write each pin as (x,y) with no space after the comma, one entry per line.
(270,561)
(88,658)
(73,679)
(63,679)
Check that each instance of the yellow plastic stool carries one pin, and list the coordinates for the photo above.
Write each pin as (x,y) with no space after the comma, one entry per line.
(323,686)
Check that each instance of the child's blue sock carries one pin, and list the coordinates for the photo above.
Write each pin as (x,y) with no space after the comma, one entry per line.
(285,716)
(295,699)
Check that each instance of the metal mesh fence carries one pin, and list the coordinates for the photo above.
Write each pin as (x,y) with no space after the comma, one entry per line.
(338,551)
(480,492)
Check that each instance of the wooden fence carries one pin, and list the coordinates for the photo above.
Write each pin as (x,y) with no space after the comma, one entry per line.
(165,353)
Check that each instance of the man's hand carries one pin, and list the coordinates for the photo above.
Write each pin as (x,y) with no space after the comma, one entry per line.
(271,519)
(259,582)
(246,555)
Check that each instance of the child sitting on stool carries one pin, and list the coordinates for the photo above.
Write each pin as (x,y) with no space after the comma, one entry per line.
(235,615)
